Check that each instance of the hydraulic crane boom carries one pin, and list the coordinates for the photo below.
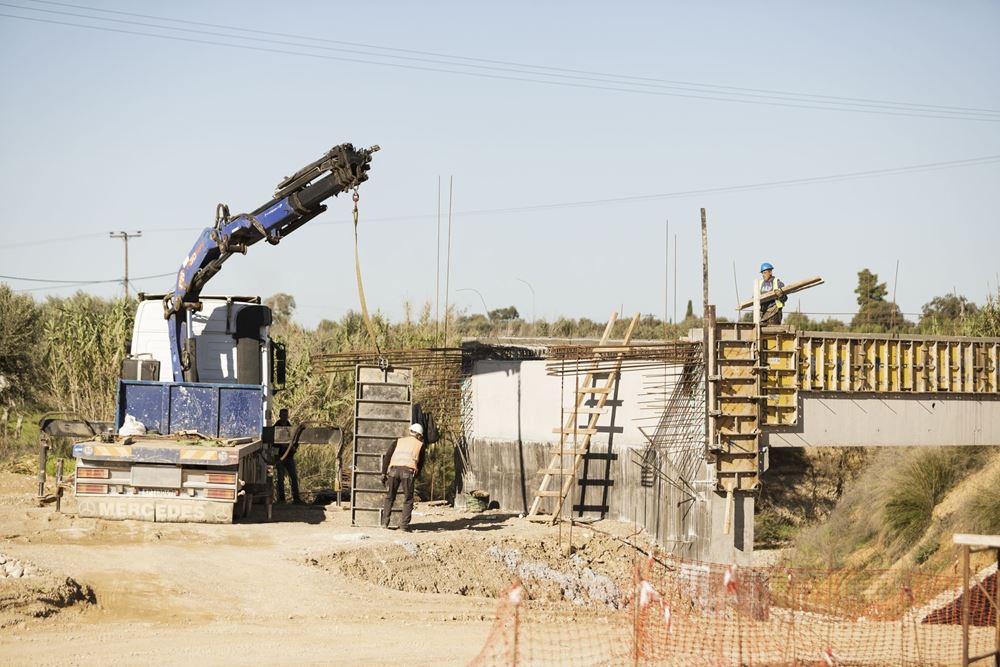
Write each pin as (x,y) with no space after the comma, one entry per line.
(298,199)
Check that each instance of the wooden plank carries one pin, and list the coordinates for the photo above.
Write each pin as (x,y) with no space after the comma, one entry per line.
(977,540)
(559,472)
(790,288)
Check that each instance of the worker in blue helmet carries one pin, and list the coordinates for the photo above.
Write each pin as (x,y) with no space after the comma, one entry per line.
(772,298)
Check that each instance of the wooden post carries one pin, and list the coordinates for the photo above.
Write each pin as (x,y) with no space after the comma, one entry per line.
(704,259)
(710,372)
(707,331)
(996,612)
(59,480)
(43,455)
(965,605)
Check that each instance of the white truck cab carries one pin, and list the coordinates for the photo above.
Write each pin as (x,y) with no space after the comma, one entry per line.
(233,344)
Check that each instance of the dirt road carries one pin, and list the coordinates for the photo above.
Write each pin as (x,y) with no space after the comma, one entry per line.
(306,588)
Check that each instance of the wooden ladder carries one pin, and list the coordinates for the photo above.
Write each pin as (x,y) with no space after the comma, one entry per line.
(570,430)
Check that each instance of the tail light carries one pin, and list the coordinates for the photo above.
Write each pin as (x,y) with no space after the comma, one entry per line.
(221,478)
(93,473)
(221,494)
(91,488)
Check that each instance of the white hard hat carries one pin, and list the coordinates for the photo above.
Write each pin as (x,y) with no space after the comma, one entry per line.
(416,428)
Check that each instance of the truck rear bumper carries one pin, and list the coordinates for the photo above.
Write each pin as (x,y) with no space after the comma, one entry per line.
(175,510)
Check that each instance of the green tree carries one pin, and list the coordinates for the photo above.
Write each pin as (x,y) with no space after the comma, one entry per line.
(986,320)
(875,314)
(869,289)
(500,314)
(947,315)
(282,306)
(21,376)
(689,313)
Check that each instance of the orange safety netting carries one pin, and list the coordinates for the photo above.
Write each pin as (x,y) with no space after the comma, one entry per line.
(688,613)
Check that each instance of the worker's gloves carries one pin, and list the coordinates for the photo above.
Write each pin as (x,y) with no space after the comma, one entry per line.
(385,480)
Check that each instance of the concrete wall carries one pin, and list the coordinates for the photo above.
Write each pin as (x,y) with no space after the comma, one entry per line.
(511,410)
(517,400)
(833,420)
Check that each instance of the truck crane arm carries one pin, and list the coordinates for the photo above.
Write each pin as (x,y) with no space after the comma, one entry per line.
(298,199)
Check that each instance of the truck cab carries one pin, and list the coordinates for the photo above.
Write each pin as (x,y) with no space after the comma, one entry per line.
(233,345)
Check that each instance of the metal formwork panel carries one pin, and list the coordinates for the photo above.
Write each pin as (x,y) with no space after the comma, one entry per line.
(736,416)
(780,368)
(382,410)
(888,364)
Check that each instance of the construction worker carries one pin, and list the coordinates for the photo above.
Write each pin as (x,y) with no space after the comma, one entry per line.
(771,308)
(286,463)
(400,466)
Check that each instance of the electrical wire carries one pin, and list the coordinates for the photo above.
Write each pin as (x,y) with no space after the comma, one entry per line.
(540,68)
(930,166)
(85,282)
(621,84)
(679,194)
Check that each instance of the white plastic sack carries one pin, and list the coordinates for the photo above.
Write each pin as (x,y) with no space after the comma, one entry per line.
(132,426)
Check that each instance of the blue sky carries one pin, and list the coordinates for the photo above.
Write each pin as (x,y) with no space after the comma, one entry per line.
(105,130)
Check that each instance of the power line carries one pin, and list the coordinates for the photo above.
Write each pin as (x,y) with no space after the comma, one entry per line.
(84,282)
(621,84)
(930,166)
(60,239)
(540,69)
(679,194)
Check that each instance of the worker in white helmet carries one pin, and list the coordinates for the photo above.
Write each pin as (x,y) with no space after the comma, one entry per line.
(400,466)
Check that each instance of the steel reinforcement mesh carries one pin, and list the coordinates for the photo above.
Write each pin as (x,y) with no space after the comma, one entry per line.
(687,613)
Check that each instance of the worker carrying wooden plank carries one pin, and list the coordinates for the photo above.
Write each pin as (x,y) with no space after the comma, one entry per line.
(772,306)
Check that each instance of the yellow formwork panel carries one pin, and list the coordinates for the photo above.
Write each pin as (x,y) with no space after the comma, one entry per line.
(743,464)
(738,372)
(895,364)
(739,352)
(737,407)
(745,389)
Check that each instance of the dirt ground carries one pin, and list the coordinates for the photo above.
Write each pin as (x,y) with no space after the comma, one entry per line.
(305,588)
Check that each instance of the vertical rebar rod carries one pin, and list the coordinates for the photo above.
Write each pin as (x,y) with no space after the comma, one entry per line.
(437,273)
(675,280)
(666,280)
(447,272)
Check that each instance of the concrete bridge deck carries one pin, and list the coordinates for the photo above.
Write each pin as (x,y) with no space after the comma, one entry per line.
(693,486)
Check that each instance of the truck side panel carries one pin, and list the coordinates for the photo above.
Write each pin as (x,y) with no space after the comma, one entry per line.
(215,410)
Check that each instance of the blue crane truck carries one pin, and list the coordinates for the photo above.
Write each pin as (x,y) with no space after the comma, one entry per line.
(193,435)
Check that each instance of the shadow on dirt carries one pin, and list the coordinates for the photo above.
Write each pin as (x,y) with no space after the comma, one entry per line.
(480,522)
(288,513)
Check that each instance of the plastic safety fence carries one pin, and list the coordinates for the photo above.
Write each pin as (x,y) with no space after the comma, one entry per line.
(687,613)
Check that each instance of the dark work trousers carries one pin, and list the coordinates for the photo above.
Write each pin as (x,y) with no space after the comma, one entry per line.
(399,476)
(288,466)
(771,315)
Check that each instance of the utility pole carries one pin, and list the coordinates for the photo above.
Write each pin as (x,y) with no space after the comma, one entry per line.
(125,236)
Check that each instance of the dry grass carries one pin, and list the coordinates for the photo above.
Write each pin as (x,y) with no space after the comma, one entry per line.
(903,510)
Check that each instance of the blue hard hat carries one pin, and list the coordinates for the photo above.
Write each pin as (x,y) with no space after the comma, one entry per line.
(766,266)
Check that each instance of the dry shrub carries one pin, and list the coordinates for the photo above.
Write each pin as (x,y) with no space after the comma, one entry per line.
(890,508)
